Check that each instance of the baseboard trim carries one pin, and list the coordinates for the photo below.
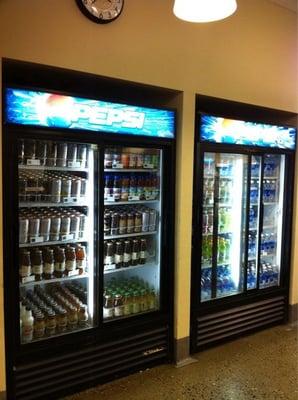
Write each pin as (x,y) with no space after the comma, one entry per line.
(293,313)
(2,395)
(181,349)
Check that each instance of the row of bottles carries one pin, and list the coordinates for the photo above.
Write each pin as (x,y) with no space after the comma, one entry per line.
(129,219)
(54,187)
(125,253)
(124,297)
(223,249)
(52,311)
(124,159)
(224,220)
(51,224)
(224,283)
(52,262)
(52,154)
(269,190)
(131,187)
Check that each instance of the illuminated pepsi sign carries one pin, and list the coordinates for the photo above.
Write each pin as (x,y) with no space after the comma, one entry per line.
(230,131)
(27,107)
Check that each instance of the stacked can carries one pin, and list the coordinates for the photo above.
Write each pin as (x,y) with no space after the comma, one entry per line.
(52,187)
(125,159)
(126,187)
(127,220)
(53,154)
(51,224)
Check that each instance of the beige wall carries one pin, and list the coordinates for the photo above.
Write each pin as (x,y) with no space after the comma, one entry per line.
(250,57)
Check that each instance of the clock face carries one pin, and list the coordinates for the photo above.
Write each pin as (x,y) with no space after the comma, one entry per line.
(101,11)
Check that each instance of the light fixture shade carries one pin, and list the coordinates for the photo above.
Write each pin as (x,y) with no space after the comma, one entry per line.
(204,10)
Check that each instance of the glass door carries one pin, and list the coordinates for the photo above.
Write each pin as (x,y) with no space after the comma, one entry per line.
(132,218)
(56,237)
(223,225)
(271,225)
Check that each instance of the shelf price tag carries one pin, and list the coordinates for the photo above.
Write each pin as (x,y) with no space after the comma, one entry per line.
(67,237)
(133,198)
(148,166)
(117,166)
(32,161)
(36,239)
(73,273)
(28,279)
(110,267)
(74,164)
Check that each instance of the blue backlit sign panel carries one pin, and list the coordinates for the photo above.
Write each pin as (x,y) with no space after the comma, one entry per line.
(27,107)
(230,131)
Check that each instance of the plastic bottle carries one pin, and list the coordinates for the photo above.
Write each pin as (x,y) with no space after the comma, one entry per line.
(27,326)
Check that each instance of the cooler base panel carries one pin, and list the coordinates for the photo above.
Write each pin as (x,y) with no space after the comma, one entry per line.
(57,376)
(217,327)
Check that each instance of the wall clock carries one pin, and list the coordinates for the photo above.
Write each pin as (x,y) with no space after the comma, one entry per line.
(101,11)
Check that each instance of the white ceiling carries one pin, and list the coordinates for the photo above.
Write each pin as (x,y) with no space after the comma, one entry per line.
(290,4)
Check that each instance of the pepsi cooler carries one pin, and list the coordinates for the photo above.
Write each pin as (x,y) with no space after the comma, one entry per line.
(242,216)
(89,168)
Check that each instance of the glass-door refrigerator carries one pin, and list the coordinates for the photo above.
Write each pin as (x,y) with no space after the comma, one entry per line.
(88,213)
(242,227)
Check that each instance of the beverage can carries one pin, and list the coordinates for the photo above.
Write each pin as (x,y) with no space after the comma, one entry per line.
(75,226)
(83,187)
(65,226)
(34,225)
(138,222)
(45,225)
(23,230)
(52,154)
(83,222)
(72,150)
(152,220)
(123,224)
(130,223)
(145,221)
(41,151)
(22,189)
(82,155)
(56,190)
(55,228)
(61,154)
(76,187)
(66,187)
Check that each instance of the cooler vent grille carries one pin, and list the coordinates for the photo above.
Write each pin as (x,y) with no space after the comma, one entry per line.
(219,326)
(91,366)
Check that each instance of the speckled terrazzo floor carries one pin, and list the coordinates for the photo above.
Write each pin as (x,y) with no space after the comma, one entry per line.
(262,366)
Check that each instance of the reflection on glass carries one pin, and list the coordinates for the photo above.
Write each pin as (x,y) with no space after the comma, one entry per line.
(273,186)
(224,203)
(255,190)
(56,203)
(207,225)
(231,171)
(131,231)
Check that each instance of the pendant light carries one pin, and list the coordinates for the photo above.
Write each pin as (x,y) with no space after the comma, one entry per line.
(204,10)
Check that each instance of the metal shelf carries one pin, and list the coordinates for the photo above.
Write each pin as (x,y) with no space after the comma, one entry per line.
(131,268)
(25,204)
(206,266)
(119,203)
(130,235)
(48,243)
(48,168)
(54,280)
(131,170)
